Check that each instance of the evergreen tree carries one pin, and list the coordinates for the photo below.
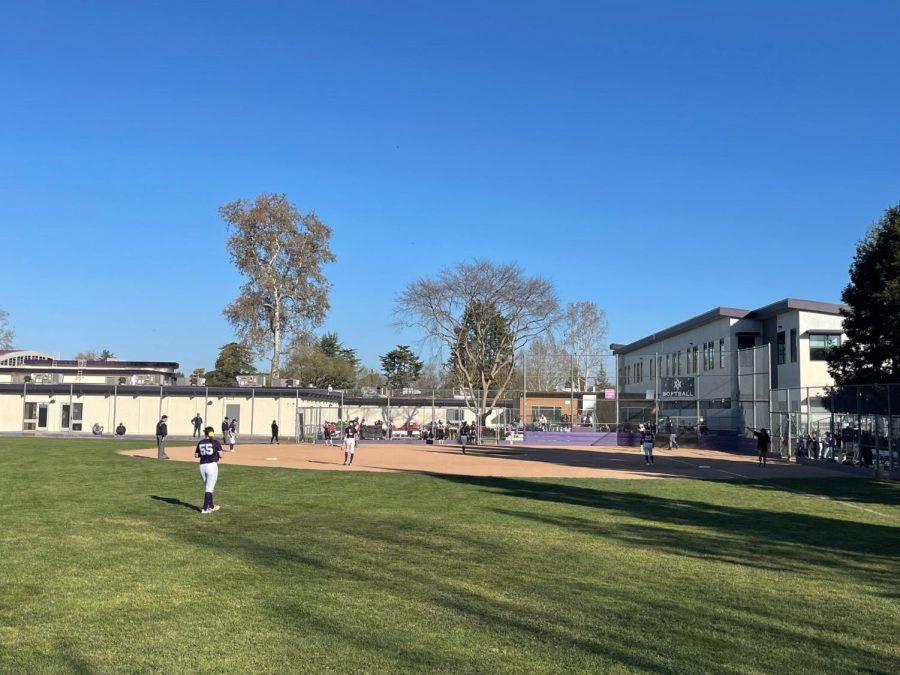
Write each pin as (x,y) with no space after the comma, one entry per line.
(234,359)
(871,351)
(401,367)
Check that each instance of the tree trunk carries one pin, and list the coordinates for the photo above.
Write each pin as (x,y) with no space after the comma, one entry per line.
(276,347)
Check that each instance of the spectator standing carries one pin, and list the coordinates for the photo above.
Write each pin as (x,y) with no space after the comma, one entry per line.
(197,422)
(828,449)
(225,427)
(275,433)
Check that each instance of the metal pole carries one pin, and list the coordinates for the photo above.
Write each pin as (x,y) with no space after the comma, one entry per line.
(618,376)
(25,405)
(432,413)
(206,409)
(115,403)
(296,415)
(72,406)
(252,410)
(572,391)
(890,434)
(524,391)
(697,373)
(656,387)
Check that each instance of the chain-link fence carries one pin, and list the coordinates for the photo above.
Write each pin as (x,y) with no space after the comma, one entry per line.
(708,391)
(854,424)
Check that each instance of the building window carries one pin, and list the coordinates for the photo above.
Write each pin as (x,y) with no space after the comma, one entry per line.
(696,361)
(721,352)
(652,368)
(779,348)
(794,346)
(820,344)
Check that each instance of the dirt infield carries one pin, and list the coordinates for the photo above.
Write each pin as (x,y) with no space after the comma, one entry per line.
(508,461)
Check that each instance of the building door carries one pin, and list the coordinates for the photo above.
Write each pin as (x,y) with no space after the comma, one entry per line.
(233,412)
(42,417)
(65,417)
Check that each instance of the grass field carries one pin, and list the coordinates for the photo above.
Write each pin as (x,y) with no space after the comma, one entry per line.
(107,566)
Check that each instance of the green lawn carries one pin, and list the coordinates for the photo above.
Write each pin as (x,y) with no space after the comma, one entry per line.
(107,566)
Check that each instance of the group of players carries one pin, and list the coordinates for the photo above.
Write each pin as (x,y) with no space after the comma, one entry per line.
(209,451)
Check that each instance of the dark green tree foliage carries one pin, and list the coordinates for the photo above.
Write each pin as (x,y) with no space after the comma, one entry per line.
(484,348)
(331,346)
(871,352)
(234,359)
(401,367)
(322,364)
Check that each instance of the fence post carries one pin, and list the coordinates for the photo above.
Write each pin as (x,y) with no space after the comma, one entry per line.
(890,434)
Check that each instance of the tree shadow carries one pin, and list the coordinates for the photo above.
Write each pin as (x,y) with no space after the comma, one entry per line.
(863,491)
(789,529)
(441,571)
(668,463)
(176,502)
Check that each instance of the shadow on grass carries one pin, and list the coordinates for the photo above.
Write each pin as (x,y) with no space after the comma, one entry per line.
(862,491)
(535,576)
(478,582)
(175,502)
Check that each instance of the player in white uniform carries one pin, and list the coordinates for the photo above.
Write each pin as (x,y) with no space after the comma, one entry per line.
(209,450)
(351,433)
(647,438)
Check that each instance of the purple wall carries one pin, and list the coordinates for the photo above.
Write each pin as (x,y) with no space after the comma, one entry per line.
(572,437)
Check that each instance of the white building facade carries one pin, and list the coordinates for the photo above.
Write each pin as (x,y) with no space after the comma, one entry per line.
(722,366)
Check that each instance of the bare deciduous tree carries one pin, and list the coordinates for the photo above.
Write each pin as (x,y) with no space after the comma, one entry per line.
(545,364)
(584,335)
(7,334)
(484,314)
(281,252)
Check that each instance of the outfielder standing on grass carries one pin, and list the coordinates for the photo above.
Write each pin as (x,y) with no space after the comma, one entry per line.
(647,439)
(209,450)
(162,431)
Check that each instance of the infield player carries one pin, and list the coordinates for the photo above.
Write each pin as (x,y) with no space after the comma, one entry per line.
(763,440)
(350,435)
(209,450)
(647,439)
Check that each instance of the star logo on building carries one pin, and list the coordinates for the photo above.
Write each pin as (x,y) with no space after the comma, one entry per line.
(677,385)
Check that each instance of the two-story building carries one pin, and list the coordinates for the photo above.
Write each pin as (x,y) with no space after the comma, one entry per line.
(720,367)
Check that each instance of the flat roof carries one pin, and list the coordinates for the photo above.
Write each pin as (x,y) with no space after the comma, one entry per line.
(786,305)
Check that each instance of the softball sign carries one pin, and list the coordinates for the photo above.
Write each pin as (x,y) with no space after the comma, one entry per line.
(677,387)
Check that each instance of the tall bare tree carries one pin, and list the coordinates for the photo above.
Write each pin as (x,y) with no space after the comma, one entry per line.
(281,252)
(7,334)
(584,334)
(484,314)
(545,364)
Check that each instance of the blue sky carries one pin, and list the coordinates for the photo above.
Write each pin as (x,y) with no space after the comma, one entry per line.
(657,158)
